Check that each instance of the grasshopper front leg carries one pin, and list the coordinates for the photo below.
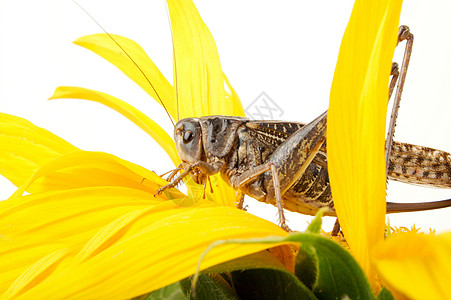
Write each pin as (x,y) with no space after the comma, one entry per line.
(204,167)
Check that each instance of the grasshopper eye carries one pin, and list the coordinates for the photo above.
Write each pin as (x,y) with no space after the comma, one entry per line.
(188,140)
(188,136)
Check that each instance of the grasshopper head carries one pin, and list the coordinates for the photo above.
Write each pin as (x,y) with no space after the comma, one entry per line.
(188,142)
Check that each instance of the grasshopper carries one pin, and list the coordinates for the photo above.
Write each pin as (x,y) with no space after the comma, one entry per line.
(285,163)
(271,160)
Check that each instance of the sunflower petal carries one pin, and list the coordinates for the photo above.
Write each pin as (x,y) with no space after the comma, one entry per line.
(154,83)
(37,225)
(197,71)
(233,96)
(220,192)
(130,112)
(416,265)
(356,124)
(152,252)
(223,194)
(24,281)
(199,80)
(80,169)
(25,147)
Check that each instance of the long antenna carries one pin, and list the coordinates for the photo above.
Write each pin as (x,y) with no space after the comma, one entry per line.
(175,63)
(131,59)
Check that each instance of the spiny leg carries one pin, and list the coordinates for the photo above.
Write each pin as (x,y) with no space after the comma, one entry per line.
(176,181)
(204,168)
(395,74)
(336,229)
(290,160)
(403,34)
(275,178)
(172,172)
(249,176)
(240,203)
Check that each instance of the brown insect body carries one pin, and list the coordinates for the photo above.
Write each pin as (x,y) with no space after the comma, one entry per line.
(285,163)
(237,147)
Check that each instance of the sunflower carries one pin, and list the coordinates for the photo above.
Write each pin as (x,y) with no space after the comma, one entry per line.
(87,224)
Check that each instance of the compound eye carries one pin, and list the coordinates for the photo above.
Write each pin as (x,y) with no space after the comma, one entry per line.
(188,136)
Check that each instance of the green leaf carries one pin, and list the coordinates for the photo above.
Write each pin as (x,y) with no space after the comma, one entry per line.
(315,226)
(385,294)
(306,265)
(339,274)
(259,260)
(269,284)
(170,292)
(262,276)
(208,287)
(329,269)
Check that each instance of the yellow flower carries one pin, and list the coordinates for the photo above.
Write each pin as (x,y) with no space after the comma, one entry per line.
(90,226)
(412,265)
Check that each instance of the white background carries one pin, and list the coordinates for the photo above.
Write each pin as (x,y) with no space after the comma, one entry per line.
(287,49)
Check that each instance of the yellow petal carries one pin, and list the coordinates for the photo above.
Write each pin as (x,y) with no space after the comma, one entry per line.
(103,45)
(148,249)
(33,226)
(128,111)
(80,169)
(25,147)
(25,280)
(416,265)
(233,96)
(356,124)
(197,70)
(222,193)
(199,80)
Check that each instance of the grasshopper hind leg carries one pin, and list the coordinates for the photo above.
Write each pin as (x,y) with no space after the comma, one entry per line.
(336,228)
(404,34)
(240,202)
(243,180)
(279,202)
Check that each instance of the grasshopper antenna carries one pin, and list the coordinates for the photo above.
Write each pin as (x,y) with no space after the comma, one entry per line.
(175,64)
(131,59)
